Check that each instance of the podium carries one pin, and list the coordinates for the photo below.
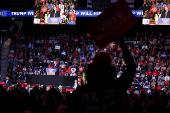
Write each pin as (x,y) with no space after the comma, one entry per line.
(54,20)
(51,71)
(164,21)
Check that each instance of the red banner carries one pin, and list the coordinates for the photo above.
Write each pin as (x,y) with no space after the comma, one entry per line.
(43,9)
(88,34)
(154,9)
(42,22)
(76,40)
(163,64)
(42,0)
(117,19)
(81,37)
(152,23)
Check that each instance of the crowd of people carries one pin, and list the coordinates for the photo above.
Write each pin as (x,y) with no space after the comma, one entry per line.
(72,52)
(64,9)
(149,92)
(154,9)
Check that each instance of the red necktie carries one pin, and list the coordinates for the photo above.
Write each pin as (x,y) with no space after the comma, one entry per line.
(165,15)
(54,15)
(54,66)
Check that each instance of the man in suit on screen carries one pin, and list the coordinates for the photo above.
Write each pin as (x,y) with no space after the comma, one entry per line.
(165,13)
(55,12)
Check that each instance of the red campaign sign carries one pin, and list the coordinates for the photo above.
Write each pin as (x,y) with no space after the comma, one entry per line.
(81,37)
(154,9)
(163,64)
(43,9)
(75,40)
(88,34)
(152,23)
(42,0)
(117,19)
(119,49)
(70,90)
(42,22)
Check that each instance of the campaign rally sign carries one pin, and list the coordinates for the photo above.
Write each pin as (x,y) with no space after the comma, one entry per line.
(57,47)
(164,55)
(115,20)
(36,21)
(42,22)
(163,20)
(91,48)
(153,9)
(88,35)
(76,40)
(42,0)
(50,70)
(43,9)
(63,53)
(54,20)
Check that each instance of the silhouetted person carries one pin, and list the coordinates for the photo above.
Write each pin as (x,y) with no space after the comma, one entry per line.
(102,93)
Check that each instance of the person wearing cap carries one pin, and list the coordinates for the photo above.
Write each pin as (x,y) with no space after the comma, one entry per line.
(159,87)
(47,15)
(147,83)
(161,77)
(161,82)
(158,15)
(135,83)
(102,89)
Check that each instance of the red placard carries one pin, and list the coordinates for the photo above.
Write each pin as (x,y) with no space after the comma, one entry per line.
(163,64)
(42,0)
(70,90)
(81,37)
(88,34)
(152,23)
(115,20)
(42,22)
(43,9)
(76,40)
(154,9)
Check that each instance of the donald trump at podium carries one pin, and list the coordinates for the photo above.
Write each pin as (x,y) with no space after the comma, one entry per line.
(55,66)
(75,85)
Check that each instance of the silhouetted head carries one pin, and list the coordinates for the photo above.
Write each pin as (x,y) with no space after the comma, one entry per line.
(100,70)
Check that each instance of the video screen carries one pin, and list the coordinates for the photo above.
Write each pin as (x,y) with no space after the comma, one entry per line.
(156,12)
(55,12)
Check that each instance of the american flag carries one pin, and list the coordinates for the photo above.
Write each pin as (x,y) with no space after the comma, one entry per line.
(131,3)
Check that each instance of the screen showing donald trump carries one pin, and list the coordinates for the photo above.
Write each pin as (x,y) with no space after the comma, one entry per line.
(55,12)
(156,12)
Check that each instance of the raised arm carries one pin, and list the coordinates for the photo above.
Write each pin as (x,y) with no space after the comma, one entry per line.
(128,76)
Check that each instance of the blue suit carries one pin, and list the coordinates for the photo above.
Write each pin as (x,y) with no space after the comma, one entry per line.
(9,82)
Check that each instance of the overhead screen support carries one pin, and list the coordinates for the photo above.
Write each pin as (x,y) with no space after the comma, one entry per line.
(100,5)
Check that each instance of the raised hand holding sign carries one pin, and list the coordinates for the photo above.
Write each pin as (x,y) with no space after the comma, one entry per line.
(115,20)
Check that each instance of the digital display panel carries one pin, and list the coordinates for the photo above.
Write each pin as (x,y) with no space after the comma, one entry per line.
(156,12)
(55,12)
